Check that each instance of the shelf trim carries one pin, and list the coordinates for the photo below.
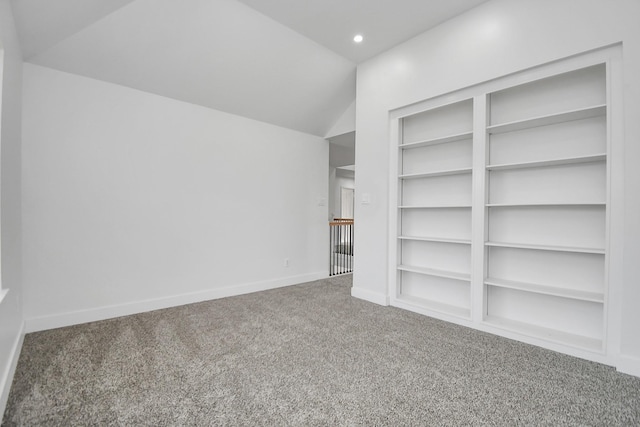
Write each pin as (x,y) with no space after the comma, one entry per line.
(464,277)
(452,206)
(555,248)
(435,141)
(575,294)
(550,204)
(547,334)
(564,116)
(436,239)
(593,158)
(459,171)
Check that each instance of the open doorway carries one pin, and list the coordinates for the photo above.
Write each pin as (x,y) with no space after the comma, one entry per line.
(346,202)
(341,203)
(341,174)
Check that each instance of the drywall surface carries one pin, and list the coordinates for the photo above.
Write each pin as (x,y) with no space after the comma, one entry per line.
(490,41)
(220,54)
(11,319)
(345,124)
(134,201)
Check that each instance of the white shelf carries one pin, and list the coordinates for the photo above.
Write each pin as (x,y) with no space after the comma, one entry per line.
(547,290)
(552,335)
(459,171)
(540,171)
(437,273)
(565,116)
(524,205)
(434,141)
(436,306)
(448,206)
(551,162)
(547,247)
(436,239)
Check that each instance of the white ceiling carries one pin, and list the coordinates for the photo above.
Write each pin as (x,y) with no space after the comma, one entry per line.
(383,23)
(42,24)
(286,62)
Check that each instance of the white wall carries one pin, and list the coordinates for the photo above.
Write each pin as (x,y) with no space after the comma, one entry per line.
(497,38)
(11,305)
(132,201)
(345,124)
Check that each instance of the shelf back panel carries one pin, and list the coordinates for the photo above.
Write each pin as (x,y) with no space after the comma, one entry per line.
(570,183)
(569,139)
(582,226)
(576,271)
(568,91)
(437,255)
(437,190)
(443,223)
(437,289)
(431,158)
(438,122)
(581,318)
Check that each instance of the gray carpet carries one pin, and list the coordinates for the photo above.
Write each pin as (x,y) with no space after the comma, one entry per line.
(304,355)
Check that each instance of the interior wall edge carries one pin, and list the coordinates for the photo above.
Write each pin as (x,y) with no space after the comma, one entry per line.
(368,295)
(629,365)
(7,376)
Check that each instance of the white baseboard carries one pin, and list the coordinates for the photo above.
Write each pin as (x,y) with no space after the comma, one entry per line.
(629,365)
(7,376)
(35,324)
(367,295)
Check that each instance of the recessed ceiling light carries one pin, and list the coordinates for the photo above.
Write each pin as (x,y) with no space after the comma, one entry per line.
(358,38)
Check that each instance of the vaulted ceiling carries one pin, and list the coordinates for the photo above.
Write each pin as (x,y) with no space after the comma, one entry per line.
(291,63)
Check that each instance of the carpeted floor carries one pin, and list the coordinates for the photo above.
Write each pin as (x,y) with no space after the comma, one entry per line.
(304,355)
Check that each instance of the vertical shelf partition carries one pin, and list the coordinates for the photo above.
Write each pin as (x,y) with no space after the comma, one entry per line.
(535,262)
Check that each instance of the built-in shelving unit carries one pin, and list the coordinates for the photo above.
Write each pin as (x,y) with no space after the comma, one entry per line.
(434,236)
(503,208)
(549,198)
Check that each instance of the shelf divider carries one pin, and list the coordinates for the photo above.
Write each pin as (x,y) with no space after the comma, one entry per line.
(551,162)
(565,116)
(437,273)
(546,290)
(459,171)
(435,141)
(448,206)
(542,204)
(546,247)
(436,239)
